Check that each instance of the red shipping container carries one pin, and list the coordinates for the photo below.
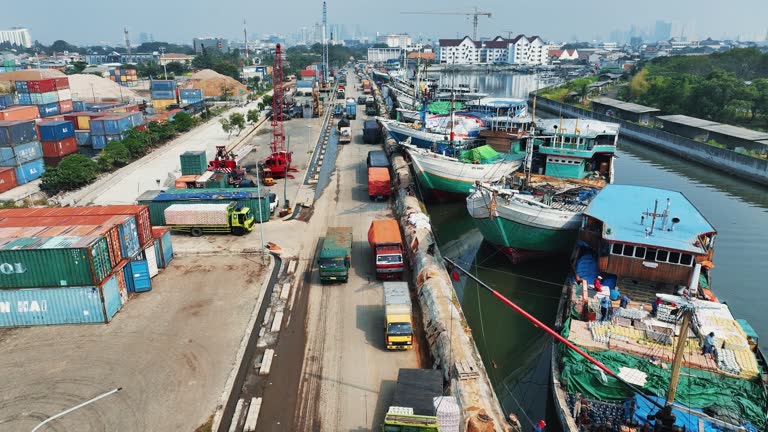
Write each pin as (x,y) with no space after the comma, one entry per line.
(66,106)
(7,179)
(52,162)
(41,86)
(20,112)
(132,108)
(59,148)
(61,83)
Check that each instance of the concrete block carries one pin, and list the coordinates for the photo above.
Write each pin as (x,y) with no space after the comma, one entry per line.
(266,362)
(236,415)
(277,322)
(253,415)
(292,267)
(286,291)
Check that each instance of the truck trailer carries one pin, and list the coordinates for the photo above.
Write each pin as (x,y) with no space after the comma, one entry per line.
(351,109)
(199,219)
(413,407)
(335,258)
(379,183)
(398,325)
(387,248)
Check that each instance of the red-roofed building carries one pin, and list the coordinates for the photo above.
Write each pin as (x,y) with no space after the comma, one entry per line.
(422,56)
(308,75)
(563,55)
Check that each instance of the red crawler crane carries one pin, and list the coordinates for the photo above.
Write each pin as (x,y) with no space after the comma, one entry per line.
(278,163)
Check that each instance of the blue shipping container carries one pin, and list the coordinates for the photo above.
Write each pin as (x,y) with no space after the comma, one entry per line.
(29,171)
(163,94)
(56,131)
(48,110)
(21,87)
(162,85)
(44,98)
(78,105)
(17,132)
(166,247)
(191,93)
(6,100)
(129,237)
(97,126)
(116,125)
(50,306)
(137,276)
(158,252)
(20,154)
(83,138)
(25,99)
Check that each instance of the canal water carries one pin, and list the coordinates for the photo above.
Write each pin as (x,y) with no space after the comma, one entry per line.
(515,353)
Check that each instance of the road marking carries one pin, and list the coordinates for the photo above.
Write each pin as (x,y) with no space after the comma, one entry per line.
(266,362)
(253,415)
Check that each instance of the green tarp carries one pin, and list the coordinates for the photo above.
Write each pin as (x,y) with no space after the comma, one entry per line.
(443,107)
(483,154)
(697,389)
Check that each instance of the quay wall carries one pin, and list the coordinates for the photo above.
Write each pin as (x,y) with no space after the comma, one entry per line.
(449,337)
(746,167)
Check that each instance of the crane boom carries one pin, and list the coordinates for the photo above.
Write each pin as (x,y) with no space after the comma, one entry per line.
(475,17)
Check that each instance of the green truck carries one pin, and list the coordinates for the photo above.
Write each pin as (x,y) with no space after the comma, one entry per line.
(336,255)
(413,407)
(199,219)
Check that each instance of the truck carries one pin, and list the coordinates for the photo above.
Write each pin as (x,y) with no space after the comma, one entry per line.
(370,108)
(372,133)
(199,219)
(413,407)
(377,158)
(398,325)
(345,135)
(379,183)
(351,109)
(387,249)
(335,258)
(340,93)
(366,87)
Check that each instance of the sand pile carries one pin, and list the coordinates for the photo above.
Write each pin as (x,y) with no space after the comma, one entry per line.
(212,82)
(85,87)
(8,79)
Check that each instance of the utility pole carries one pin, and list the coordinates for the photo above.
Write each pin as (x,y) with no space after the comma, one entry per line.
(162,54)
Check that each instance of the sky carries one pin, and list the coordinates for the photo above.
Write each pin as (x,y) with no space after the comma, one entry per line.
(102,21)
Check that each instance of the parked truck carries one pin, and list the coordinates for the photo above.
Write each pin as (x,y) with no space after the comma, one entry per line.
(379,183)
(370,106)
(413,407)
(366,87)
(398,326)
(199,219)
(351,109)
(345,135)
(387,248)
(335,257)
(372,132)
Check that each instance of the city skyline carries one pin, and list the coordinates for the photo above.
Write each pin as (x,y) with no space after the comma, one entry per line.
(95,22)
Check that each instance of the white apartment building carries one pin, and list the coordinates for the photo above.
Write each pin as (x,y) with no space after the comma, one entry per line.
(17,36)
(400,40)
(381,55)
(521,50)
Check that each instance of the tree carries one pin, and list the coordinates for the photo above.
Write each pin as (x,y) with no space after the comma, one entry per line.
(150,69)
(76,67)
(267,99)
(114,154)
(226,126)
(61,46)
(253,116)
(253,83)
(226,92)
(183,122)
(237,121)
(73,172)
(710,99)
(176,68)
(228,69)
(638,85)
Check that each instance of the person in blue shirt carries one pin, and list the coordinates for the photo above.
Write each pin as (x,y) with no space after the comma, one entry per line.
(605,306)
(615,294)
(709,344)
(625,299)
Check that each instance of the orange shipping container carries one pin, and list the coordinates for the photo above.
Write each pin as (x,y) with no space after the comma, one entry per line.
(7,179)
(59,148)
(20,112)
(181,182)
(66,106)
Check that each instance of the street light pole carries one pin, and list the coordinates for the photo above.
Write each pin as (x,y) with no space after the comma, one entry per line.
(309,138)
(74,408)
(287,169)
(261,222)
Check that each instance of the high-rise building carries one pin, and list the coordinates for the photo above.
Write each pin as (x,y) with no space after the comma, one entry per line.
(210,43)
(143,38)
(662,31)
(16,36)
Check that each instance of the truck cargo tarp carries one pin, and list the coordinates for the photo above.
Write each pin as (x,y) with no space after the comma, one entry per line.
(696,389)
(483,154)
(384,231)
(378,174)
(416,389)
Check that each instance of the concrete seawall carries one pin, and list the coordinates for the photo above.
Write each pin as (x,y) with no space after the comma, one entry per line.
(449,337)
(746,167)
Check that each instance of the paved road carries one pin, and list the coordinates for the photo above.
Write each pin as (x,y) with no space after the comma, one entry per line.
(347,376)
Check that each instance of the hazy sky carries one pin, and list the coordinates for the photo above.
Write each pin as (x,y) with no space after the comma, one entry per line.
(86,21)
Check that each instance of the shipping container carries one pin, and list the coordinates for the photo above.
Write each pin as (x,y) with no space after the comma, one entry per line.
(112,124)
(152,267)
(59,148)
(48,110)
(245,197)
(44,98)
(29,171)
(193,162)
(61,83)
(162,237)
(163,94)
(184,181)
(26,99)
(122,288)
(7,179)
(78,105)
(66,106)
(137,276)
(21,87)
(17,132)
(100,141)
(191,93)
(20,113)
(161,105)
(41,85)
(83,138)
(162,85)
(55,130)
(20,154)
(51,306)
(64,94)
(58,261)
(6,100)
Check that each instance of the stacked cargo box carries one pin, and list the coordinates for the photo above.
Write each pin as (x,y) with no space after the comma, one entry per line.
(75,264)
(58,140)
(82,123)
(190,96)
(158,201)
(124,77)
(163,94)
(51,96)
(6,100)
(21,150)
(113,127)
(20,112)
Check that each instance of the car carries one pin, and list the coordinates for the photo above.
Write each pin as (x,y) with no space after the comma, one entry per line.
(274,201)
(361,100)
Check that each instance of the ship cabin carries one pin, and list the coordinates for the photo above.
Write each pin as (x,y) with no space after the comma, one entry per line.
(647,240)
(575,148)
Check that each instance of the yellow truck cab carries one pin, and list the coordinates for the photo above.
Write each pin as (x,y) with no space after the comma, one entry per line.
(398,330)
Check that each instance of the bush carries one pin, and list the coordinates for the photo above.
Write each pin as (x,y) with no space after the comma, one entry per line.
(73,172)
(183,122)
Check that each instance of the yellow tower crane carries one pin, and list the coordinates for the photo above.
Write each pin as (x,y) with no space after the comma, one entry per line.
(475,15)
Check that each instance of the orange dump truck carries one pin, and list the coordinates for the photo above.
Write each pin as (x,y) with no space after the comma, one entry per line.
(379,183)
(387,248)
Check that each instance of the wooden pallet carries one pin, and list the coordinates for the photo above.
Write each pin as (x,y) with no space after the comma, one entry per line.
(466,370)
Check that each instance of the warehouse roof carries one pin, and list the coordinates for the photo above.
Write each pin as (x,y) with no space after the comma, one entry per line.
(723,129)
(624,106)
(686,120)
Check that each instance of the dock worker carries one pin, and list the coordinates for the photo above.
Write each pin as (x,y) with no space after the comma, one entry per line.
(605,306)
(709,344)
(598,283)
(614,294)
(625,299)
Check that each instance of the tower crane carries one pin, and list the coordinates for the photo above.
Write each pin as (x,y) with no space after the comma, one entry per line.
(475,17)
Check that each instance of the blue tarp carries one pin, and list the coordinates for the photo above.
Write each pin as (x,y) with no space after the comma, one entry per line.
(689,420)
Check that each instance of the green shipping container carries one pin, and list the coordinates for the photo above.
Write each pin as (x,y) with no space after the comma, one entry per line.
(157,208)
(193,163)
(217,181)
(53,261)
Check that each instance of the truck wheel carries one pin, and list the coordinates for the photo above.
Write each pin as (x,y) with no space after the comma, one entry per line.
(373,198)
(238,231)
(196,232)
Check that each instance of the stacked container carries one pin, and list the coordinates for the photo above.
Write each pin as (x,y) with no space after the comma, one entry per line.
(6,100)
(20,112)
(51,96)
(113,127)
(163,94)
(190,96)
(21,150)
(58,140)
(124,77)
(82,123)
(158,201)
(193,162)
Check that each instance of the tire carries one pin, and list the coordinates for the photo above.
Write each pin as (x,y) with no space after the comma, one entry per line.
(196,232)
(238,231)
(373,198)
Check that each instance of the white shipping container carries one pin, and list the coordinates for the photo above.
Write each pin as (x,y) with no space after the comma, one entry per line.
(64,94)
(196,214)
(151,261)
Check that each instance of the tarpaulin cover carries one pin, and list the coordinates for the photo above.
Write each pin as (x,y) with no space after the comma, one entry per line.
(443,107)
(696,389)
(684,418)
(483,154)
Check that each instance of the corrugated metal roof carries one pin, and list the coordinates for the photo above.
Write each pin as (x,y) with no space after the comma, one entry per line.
(624,106)
(620,208)
(686,120)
